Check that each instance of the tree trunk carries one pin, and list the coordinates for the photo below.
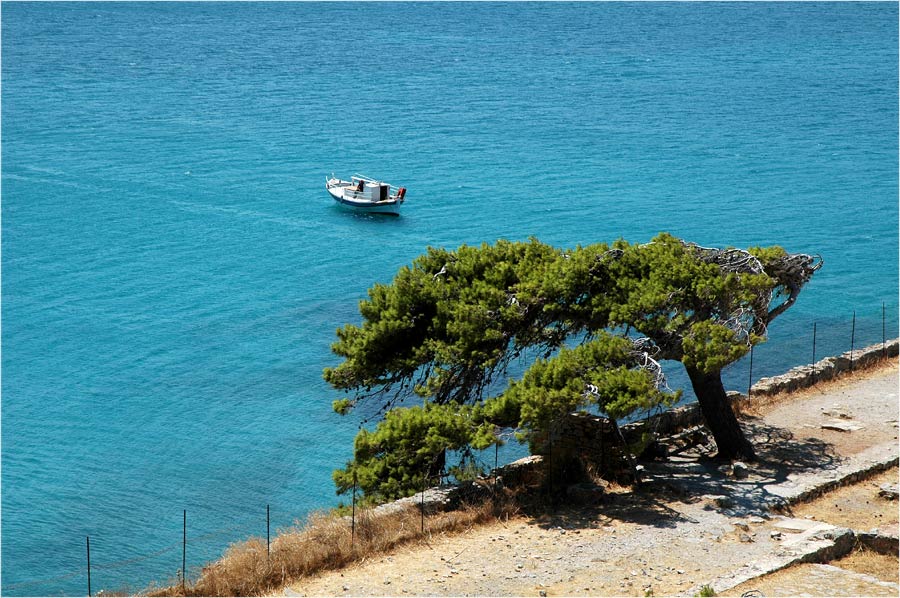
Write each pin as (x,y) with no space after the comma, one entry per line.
(719,416)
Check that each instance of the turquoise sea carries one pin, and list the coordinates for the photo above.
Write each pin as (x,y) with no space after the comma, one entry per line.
(173,271)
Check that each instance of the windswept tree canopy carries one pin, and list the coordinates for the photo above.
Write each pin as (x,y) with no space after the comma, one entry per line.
(448,326)
(444,327)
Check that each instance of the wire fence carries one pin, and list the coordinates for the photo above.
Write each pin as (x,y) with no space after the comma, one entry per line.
(797,345)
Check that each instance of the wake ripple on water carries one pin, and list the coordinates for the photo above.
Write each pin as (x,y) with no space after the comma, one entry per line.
(201,208)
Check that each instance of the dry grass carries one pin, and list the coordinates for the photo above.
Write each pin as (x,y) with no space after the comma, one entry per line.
(324,543)
(869,562)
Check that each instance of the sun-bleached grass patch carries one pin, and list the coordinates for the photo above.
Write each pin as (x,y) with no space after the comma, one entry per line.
(326,542)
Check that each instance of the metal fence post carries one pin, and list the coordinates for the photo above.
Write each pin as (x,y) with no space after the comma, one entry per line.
(353,515)
(750,375)
(550,463)
(814,352)
(268,521)
(88,538)
(883,333)
(852,339)
(814,343)
(184,553)
(422,501)
(496,455)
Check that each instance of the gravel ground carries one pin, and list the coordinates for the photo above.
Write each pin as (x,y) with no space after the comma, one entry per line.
(672,536)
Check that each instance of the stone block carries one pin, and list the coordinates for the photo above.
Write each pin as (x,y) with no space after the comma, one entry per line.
(793,525)
(739,470)
(842,426)
(527,470)
(888,491)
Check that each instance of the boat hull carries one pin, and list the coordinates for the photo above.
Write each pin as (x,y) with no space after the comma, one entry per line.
(366,206)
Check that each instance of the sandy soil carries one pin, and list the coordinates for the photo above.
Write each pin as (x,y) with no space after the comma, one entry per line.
(662,540)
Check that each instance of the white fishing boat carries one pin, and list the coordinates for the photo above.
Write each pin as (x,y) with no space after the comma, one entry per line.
(365,194)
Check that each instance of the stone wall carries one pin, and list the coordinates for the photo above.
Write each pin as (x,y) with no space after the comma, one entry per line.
(826,369)
(526,471)
(578,440)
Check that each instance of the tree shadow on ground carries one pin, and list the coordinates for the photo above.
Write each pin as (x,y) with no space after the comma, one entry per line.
(780,455)
(639,507)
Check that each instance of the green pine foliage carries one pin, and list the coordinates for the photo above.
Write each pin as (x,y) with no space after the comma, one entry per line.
(443,326)
(406,446)
(446,328)
(598,375)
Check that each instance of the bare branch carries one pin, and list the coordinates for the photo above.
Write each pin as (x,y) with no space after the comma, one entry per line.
(792,272)
(644,352)
(738,261)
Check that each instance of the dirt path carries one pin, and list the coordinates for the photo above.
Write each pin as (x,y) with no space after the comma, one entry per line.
(692,524)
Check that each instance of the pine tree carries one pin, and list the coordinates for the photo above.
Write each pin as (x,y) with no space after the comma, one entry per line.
(593,321)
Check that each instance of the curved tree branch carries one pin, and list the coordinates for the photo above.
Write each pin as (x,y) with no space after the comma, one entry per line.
(792,272)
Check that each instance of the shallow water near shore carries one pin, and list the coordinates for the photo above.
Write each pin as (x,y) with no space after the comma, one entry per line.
(174,271)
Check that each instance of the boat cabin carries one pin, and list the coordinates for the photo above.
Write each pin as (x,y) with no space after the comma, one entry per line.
(368,189)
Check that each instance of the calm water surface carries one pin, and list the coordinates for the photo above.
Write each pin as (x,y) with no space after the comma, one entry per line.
(173,270)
